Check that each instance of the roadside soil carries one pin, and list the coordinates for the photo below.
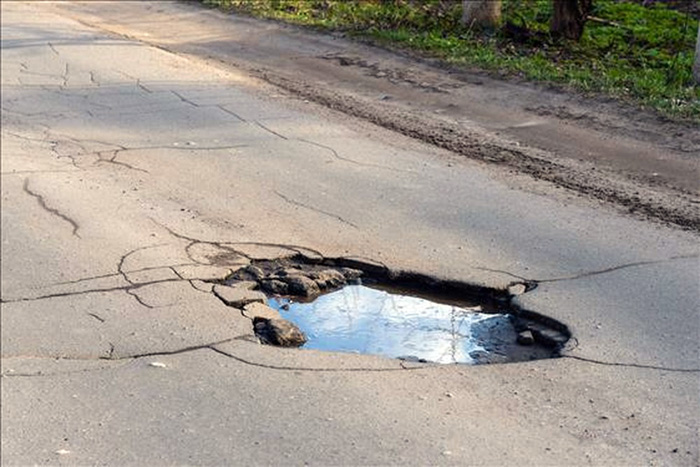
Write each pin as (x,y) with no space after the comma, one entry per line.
(642,163)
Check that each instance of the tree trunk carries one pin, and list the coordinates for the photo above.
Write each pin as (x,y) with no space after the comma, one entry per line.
(569,17)
(481,13)
(696,67)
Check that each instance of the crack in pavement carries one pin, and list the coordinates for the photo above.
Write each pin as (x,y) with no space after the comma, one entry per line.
(190,348)
(54,143)
(35,114)
(134,78)
(583,275)
(25,172)
(128,289)
(327,370)
(110,358)
(64,76)
(45,140)
(182,350)
(122,260)
(113,160)
(352,161)
(499,271)
(117,364)
(269,130)
(314,143)
(71,157)
(42,202)
(184,99)
(142,87)
(53,49)
(230,246)
(130,292)
(198,289)
(615,268)
(314,209)
(632,365)
(116,152)
(172,268)
(133,286)
(97,317)
(26,138)
(230,112)
(107,276)
(125,288)
(125,360)
(81,141)
(85,279)
(136,296)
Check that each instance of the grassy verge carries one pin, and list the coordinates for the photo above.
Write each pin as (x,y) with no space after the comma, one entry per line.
(634,53)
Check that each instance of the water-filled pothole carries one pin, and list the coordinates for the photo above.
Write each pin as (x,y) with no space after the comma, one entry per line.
(366,320)
(369,310)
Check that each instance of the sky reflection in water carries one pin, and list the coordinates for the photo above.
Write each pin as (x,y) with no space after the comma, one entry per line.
(370,321)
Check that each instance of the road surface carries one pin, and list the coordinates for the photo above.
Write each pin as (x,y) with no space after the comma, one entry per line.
(132,174)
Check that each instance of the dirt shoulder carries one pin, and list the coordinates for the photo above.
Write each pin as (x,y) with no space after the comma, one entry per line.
(635,160)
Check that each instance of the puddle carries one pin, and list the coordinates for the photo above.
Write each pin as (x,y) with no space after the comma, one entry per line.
(366,320)
(345,305)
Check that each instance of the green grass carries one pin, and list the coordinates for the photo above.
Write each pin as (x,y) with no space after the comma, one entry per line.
(645,57)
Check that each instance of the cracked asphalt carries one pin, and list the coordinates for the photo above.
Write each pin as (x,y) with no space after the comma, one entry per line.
(132,176)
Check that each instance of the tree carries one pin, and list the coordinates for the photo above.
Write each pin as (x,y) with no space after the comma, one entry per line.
(569,17)
(481,13)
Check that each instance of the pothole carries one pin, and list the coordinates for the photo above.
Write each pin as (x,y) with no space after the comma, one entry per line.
(346,305)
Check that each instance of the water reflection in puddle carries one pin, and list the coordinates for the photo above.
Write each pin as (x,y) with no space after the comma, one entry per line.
(364,320)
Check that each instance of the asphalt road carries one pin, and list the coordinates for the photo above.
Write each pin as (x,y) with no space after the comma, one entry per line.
(618,154)
(131,173)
